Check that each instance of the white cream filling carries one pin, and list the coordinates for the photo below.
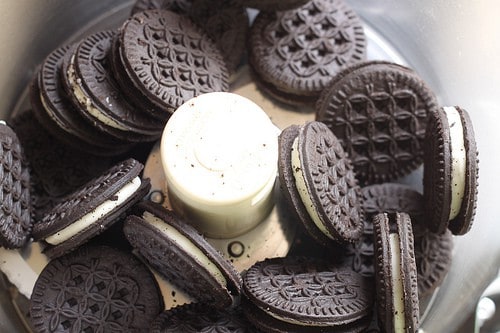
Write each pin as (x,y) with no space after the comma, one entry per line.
(458,160)
(96,214)
(186,245)
(84,100)
(397,283)
(300,183)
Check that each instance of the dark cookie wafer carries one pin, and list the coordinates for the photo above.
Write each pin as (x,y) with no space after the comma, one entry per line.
(100,100)
(433,256)
(296,53)
(55,111)
(15,202)
(227,24)
(135,97)
(79,216)
(224,21)
(380,198)
(326,184)
(299,294)
(56,169)
(395,273)
(169,59)
(177,250)
(440,184)
(271,5)
(379,111)
(432,251)
(198,317)
(177,6)
(95,289)
(288,186)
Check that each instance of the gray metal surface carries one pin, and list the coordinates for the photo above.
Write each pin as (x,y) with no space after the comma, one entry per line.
(453,44)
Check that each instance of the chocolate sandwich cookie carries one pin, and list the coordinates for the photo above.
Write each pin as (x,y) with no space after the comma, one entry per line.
(433,256)
(15,200)
(318,180)
(227,23)
(289,187)
(93,87)
(450,171)
(134,97)
(271,5)
(224,21)
(91,208)
(95,289)
(382,198)
(300,294)
(395,273)
(433,252)
(56,169)
(176,250)
(296,53)
(176,6)
(56,112)
(168,59)
(379,112)
(198,317)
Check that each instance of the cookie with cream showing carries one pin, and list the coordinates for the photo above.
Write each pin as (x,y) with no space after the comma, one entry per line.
(181,255)
(318,179)
(91,209)
(450,171)
(395,273)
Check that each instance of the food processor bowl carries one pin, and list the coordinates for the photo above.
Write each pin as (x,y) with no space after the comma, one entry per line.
(453,44)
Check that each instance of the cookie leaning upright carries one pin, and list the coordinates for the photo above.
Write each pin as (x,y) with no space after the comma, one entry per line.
(318,180)
(395,273)
(15,201)
(296,53)
(167,59)
(451,170)
(379,112)
(179,253)
(91,209)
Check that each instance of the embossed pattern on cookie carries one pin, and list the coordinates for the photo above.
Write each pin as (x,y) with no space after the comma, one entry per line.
(15,198)
(331,182)
(176,250)
(197,317)
(169,59)
(298,52)
(433,256)
(379,112)
(95,289)
(308,292)
(177,6)
(380,198)
(105,104)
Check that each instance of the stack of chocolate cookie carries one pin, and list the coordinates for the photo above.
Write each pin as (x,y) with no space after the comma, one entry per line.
(368,249)
(114,89)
